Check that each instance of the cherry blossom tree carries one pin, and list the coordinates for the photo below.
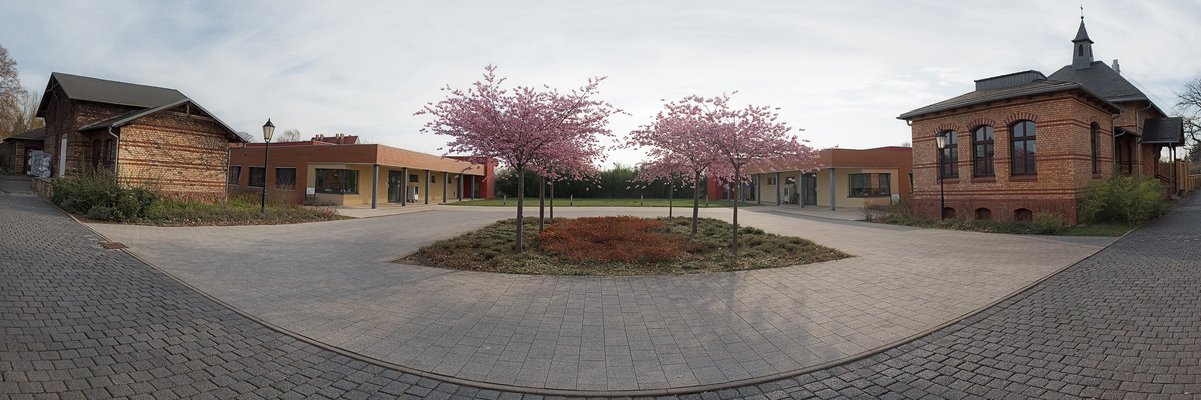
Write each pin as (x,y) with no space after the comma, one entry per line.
(524,128)
(676,143)
(753,134)
(568,160)
(668,169)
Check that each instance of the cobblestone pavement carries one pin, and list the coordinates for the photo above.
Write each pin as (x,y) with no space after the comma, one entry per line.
(77,321)
(332,282)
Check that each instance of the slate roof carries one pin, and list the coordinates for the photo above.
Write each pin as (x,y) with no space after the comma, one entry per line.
(32,134)
(109,92)
(1082,34)
(1165,130)
(1101,79)
(986,96)
(123,119)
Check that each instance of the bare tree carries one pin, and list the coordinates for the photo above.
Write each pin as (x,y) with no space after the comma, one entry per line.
(25,117)
(11,92)
(1188,106)
(290,135)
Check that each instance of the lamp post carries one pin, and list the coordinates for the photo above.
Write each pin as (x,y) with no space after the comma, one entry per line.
(941,141)
(268,129)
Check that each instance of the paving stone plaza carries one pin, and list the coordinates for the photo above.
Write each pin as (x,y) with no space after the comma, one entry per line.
(79,321)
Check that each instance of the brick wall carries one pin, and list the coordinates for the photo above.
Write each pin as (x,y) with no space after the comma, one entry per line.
(178,154)
(1063,157)
(64,118)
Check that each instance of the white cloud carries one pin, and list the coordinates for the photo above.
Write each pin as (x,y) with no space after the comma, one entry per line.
(842,71)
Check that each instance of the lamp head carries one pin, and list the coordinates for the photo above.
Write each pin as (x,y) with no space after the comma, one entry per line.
(268,130)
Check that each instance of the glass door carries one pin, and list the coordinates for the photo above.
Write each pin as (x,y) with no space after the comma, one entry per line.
(395,183)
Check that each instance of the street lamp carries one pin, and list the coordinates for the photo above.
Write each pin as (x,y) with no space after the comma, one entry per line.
(941,141)
(268,129)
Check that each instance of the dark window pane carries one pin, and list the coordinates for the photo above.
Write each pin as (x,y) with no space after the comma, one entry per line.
(234,176)
(337,181)
(285,178)
(1023,153)
(869,185)
(258,175)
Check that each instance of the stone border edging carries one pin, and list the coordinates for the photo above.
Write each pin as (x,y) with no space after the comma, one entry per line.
(605,393)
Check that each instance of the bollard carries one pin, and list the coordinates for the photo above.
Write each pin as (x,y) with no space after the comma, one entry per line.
(505,202)
(641,201)
(571,200)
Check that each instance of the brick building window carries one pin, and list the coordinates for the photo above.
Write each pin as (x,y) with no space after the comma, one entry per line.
(234,176)
(948,213)
(1023,215)
(1094,132)
(337,181)
(982,151)
(870,185)
(258,177)
(285,178)
(948,157)
(1022,135)
(983,214)
(413,178)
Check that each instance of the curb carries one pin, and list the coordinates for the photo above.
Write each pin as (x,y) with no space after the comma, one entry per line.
(610,393)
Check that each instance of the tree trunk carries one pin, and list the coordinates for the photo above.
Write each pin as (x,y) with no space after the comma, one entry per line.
(734,236)
(520,204)
(670,192)
(552,202)
(541,203)
(696,201)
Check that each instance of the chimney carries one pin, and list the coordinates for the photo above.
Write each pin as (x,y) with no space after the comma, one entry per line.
(1117,68)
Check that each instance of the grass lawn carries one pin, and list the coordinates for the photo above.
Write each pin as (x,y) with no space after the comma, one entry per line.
(619,246)
(687,202)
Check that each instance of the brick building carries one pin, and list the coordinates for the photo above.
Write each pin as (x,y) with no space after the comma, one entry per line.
(147,136)
(1025,143)
(338,170)
(16,149)
(849,178)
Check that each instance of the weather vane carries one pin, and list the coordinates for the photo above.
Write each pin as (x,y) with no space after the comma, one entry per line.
(1082,13)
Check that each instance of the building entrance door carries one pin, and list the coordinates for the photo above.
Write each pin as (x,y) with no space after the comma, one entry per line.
(810,189)
(395,184)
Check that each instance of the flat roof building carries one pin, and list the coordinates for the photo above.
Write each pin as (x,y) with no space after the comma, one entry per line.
(338,170)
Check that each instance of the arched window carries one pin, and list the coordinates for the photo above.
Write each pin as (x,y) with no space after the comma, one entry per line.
(948,156)
(983,214)
(982,151)
(1094,132)
(948,213)
(1023,215)
(1022,135)
(1080,50)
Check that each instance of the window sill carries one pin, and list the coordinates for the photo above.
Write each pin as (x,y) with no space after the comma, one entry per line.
(1024,178)
(950,180)
(984,179)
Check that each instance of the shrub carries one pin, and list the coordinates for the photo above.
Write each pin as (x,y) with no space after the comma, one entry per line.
(1123,199)
(1049,223)
(622,239)
(98,195)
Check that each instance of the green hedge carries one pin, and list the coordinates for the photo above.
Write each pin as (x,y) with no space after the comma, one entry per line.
(1123,199)
(98,196)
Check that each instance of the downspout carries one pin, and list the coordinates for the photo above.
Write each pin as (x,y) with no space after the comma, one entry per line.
(1113,141)
(117,154)
(1139,131)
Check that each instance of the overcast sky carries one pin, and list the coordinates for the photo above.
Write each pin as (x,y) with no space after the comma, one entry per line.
(842,70)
